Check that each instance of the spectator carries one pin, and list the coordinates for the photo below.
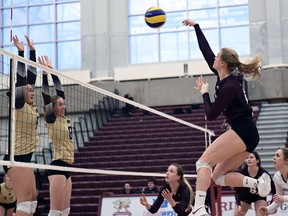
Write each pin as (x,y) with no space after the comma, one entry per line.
(151,186)
(127,189)
(225,125)
(128,108)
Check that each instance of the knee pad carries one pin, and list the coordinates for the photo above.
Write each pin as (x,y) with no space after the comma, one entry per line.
(24,207)
(220,180)
(201,164)
(54,213)
(33,206)
(66,212)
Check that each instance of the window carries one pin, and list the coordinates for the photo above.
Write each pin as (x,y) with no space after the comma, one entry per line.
(53,25)
(225,23)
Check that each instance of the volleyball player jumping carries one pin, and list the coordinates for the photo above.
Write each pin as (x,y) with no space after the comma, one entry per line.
(230,149)
(60,132)
(26,138)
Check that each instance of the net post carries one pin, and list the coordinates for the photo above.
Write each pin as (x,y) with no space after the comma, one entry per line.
(206,142)
(11,137)
(215,193)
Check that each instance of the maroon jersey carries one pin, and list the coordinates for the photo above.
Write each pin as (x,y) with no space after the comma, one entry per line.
(230,97)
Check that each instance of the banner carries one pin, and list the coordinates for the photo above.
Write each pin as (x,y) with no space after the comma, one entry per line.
(228,206)
(131,206)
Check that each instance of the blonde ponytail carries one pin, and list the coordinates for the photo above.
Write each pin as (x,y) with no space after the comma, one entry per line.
(180,172)
(252,68)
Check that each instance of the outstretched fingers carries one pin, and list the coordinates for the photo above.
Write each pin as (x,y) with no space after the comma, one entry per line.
(199,83)
(30,43)
(17,43)
(189,22)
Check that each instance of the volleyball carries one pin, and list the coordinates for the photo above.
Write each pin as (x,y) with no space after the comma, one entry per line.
(155,17)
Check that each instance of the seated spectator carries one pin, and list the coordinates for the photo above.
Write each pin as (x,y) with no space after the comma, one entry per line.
(225,125)
(151,186)
(128,108)
(127,189)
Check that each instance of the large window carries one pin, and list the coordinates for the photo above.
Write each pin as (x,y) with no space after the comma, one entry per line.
(53,25)
(225,23)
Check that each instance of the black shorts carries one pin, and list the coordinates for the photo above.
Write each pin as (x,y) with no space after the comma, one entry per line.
(249,199)
(7,206)
(58,172)
(20,158)
(247,131)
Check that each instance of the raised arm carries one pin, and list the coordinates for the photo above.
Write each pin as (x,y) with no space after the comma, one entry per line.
(50,116)
(58,86)
(204,46)
(21,80)
(31,71)
(45,89)
(21,70)
(56,80)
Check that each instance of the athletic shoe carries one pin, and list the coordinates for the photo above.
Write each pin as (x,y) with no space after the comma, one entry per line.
(199,211)
(264,185)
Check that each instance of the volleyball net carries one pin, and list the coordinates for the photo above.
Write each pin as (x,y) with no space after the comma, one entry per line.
(112,135)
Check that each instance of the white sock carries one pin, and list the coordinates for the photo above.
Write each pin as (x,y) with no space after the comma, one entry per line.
(33,207)
(249,182)
(24,206)
(66,212)
(54,213)
(200,197)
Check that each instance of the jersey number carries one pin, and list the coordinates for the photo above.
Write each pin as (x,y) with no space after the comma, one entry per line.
(70,132)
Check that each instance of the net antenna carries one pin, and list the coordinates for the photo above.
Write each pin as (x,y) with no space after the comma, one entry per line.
(11,23)
(90,94)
